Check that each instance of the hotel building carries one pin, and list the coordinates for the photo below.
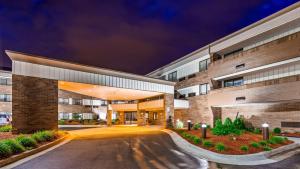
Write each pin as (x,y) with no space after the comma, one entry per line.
(253,73)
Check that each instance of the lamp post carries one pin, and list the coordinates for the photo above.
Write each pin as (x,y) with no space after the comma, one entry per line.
(265,131)
(203,131)
(189,124)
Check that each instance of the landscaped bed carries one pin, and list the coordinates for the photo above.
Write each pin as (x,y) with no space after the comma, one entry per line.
(16,144)
(232,138)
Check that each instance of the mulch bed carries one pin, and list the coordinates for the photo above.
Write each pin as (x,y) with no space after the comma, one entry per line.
(233,147)
(297,135)
(7,135)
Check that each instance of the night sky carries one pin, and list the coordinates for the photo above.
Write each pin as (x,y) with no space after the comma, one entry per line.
(136,36)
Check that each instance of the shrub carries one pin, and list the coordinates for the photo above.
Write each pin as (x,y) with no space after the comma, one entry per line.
(255,144)
(244,148)
(220,147)
(38,137)
(48,135)
(277,130)
(277,139)
(6,128)
(197,140)
(61,122)
(228,123)
(267,148)
(5,150)
(271,141)
(239,123)
(207,143)
(257,131)
(197,126)
(14,146)
(27,142)
(219,129)
(263,143)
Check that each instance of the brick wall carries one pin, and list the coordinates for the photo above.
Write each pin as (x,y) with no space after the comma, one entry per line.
(35,104)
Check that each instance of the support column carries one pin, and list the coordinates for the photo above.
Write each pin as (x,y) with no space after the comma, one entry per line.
(34,104)
(168,114)
(140,115)
(108,114)
(121,117)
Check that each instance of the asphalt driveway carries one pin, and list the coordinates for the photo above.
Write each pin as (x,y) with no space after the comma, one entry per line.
(116,147)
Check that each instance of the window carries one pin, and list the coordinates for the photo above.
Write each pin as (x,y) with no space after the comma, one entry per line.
(77,101)
(240,98)
(233,52)
(181,79)
(172,76)
(182,96)
(240,66)
(203,65)
(204,88)
(155,115)
(234,82)
(5,98)
(191,76)
(5,81)
(63,101)
(192,94)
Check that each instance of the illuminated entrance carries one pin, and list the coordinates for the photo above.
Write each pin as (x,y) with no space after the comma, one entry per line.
(37,80)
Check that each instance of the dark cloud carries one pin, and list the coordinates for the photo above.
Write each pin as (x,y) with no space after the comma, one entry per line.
(132,36)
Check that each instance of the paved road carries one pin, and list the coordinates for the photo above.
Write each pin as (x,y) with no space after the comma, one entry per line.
(114,148)
(129,148)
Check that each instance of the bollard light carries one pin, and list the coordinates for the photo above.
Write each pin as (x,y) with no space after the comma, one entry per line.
(265,131)
(189,124)
(203,130)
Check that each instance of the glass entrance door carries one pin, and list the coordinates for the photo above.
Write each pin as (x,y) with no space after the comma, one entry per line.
(130,118)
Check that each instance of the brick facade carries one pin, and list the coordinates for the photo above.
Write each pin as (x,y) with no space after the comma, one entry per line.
(35,104)
(208,108)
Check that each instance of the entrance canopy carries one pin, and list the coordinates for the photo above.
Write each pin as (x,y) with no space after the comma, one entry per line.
(81,78)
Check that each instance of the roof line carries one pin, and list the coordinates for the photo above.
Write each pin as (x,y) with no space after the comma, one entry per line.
(37,59)
(268,18)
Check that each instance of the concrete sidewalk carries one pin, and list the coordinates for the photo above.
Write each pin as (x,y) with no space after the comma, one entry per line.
(250,159)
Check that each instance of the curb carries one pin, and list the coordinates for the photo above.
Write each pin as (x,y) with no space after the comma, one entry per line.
(249,159)
(25,154)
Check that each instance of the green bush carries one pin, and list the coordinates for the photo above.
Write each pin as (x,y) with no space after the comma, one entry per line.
(14,146)
(5,150)
(207,143)
(61,122)
(277,139)
(271,141)
(244,148)
(27,142)
(48,135)
(257,131)
(239,123)
(197,126)
(267,148)
(197,140)
(219,128)
(6,128)
(220,147)
(38,137)
(255,145)
(263,143)
(277,130)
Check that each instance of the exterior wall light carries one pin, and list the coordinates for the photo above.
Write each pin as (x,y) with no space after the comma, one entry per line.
(265,131)
(189,125)
(203,130)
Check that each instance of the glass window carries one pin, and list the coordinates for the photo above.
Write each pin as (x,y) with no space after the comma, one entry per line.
(234,82)
(203,65)
(155,115)
(63,101)
(5,81)
(172,76)
(204,88)
(192,94)
(77,101)
(5,97)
